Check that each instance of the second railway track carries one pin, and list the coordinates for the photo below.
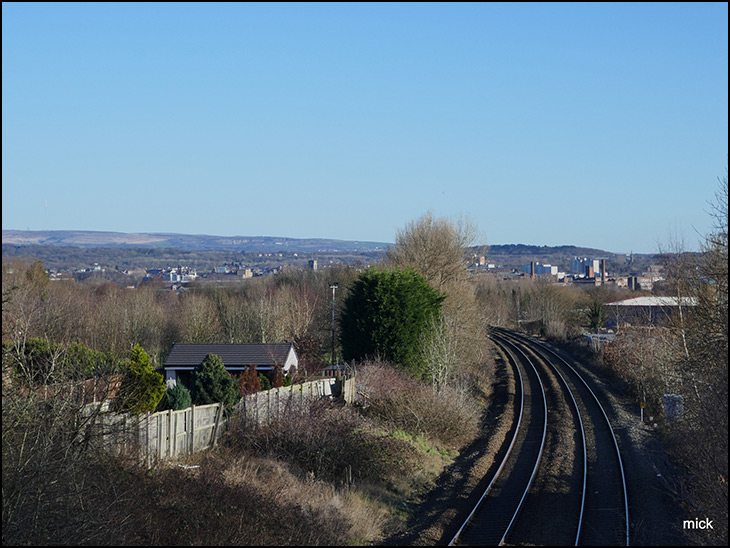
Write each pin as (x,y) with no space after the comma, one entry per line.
(566,488)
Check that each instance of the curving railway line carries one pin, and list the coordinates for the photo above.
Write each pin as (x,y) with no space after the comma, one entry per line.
(542,493)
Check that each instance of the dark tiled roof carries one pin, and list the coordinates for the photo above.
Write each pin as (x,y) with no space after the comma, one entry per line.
(233,355)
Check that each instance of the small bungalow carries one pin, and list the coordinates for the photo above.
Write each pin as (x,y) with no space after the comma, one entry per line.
(185,357)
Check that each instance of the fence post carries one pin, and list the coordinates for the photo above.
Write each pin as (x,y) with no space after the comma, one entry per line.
(168,431)
(173,432)
(147,441)
(218,415)
(160,432)
(192,429)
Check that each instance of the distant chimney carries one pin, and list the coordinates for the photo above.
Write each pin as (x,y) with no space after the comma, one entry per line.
(532,269)
(603,271)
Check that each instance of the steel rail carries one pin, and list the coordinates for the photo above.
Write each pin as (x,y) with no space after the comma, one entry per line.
(503,344)
(542,446)
(582,434)
(605,416)
(506,457)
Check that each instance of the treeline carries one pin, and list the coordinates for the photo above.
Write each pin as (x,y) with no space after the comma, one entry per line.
(294,306)
(567,250)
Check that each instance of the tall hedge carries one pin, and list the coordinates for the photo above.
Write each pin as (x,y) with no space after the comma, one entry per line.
(386,314)
(40,361)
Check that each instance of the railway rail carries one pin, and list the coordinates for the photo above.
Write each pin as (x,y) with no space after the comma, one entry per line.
(597,504)
(496,510)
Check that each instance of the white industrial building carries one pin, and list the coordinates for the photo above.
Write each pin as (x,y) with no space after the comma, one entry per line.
(578,265)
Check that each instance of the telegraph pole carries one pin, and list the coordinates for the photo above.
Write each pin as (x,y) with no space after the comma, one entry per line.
(333,287)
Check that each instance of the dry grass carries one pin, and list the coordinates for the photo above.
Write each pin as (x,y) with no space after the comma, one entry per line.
(236,499)
(350,512)
(447,418)
(318,474)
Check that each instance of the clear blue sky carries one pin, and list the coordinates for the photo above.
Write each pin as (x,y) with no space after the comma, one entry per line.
(600,125)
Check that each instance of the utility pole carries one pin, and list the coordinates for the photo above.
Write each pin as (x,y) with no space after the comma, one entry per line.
(334,288)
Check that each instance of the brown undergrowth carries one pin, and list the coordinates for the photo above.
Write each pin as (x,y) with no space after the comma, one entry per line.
(316,474)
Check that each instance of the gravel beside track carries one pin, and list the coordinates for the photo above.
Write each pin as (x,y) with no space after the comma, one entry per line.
(656,517)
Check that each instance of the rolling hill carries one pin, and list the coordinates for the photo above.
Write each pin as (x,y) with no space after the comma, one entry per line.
(188,242)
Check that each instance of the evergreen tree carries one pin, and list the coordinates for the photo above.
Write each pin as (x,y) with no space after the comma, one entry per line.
(178,397)
(278,381)
(212,383)
(264,381)
(249,383)
(595,314)
(386,314)
(142,387)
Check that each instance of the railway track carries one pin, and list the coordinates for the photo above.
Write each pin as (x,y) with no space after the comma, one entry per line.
(495,512)
(582,495)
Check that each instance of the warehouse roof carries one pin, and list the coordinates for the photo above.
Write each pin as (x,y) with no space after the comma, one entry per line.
(655,301)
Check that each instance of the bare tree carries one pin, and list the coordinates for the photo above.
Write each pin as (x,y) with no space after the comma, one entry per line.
(689,358)
(200,319)
(437,248)
(52,442)
(439,352)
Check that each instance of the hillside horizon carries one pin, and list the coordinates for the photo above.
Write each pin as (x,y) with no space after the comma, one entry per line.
(208,242)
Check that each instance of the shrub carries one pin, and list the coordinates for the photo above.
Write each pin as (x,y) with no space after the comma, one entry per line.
(39,361)
(142,388)
(446,417)
(264,381)
(324,441)
(178,397)
(248,382)
(278,380)
(212,383)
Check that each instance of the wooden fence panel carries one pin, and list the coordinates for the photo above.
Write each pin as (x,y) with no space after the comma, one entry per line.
(171,434)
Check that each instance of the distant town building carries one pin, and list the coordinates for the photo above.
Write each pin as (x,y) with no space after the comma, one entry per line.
(646,280)
(578,265)
(540,269)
